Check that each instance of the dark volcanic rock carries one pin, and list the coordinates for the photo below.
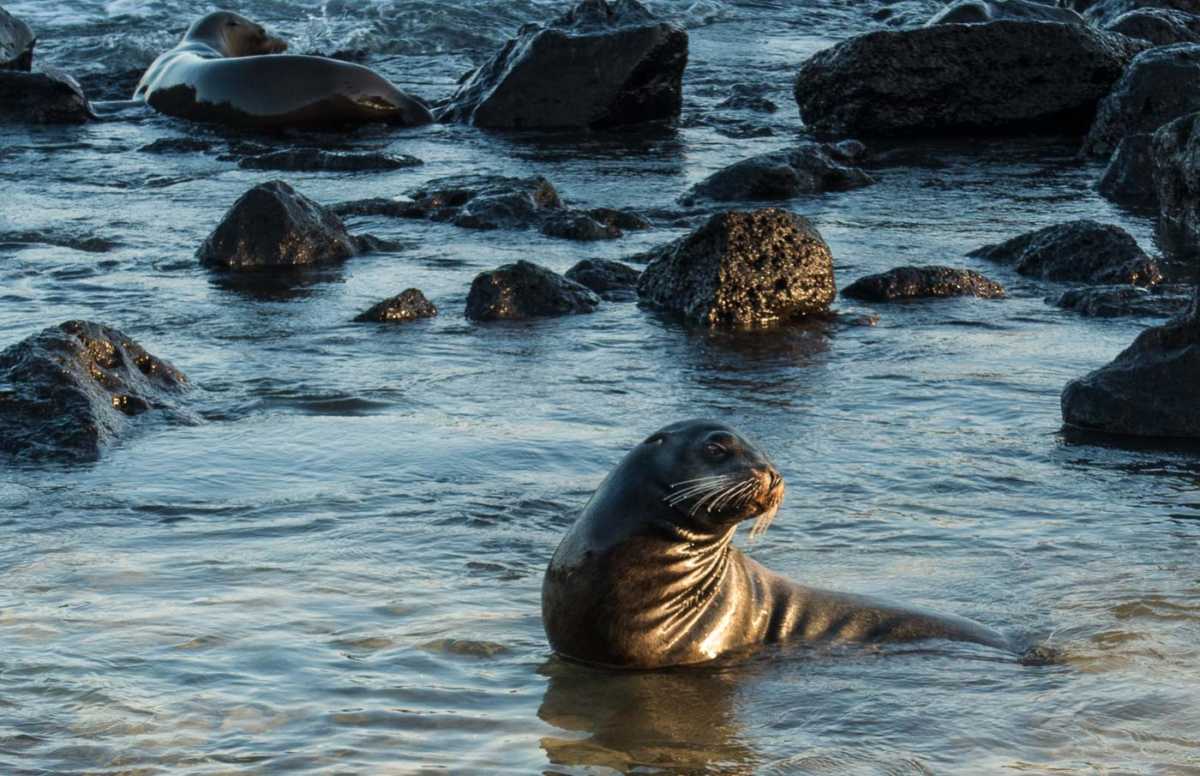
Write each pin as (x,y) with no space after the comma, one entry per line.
(810,168)
(1149,389)
(16,43)
(408,305)
(1159,86)
(575,225)
(177,145)
(621,219)
(526,290)
(1176,152)
(601,64)
(922,282)
(984,11)
(1078,250)
(1114,301)
(742,269)
(48,97)
(485,201)
(272,226)
(611,280)
(1159,26)
(1129,178)
(68,391)
(1105,12)
(316,160)
(1006,76)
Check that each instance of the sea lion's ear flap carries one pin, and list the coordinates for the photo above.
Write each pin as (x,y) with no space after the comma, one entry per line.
(656,439)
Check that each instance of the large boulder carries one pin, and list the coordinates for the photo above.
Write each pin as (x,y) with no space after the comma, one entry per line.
(16,43)
(1149,390)
(1006,76)
(601,64)
(921,283)
(47,97)
(1159,26)
(408,305)
(1120,301)
(809,168)
(1129,178)
(742,269)
(1077,251)
(1176,153)
(68,391)
(1105,12)
(1159,86)
(526,290)
(612,281)
(274,226)
(984,11)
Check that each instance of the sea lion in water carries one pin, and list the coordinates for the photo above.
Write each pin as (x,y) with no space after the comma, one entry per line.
(227,69)
(647,577)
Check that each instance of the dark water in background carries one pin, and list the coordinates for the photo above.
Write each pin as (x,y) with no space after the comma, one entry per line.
(337,567)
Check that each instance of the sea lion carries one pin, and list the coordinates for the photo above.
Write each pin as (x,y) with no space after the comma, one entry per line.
(228,69)
(647,577)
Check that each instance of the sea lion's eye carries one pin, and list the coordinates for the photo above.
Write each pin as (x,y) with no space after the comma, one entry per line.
(657,439)
(715,450)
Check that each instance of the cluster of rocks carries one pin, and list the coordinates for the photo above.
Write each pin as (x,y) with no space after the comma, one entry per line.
(48,96)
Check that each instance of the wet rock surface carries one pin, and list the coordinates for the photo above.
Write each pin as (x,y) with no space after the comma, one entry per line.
(547,76)
(612,281)
(1159,86)
(1149,389)
(1176,153)
(408,305)
(526,290)
(274,226)
(317,160)
(16,43)
(1159,26)
(983,11)
(742,269)
(47,97)
(70,390)
(921,283)
(1083,250)
(1120,301)
(1002,77)
(1129,178)
(1104,12)
(810,168)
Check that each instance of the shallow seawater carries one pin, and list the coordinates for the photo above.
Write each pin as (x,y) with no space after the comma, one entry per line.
(335,567)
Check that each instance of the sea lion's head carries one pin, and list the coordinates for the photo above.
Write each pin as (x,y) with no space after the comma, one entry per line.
(234,35)
(705,476)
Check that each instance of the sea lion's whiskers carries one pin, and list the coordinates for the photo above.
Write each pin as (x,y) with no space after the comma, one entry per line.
(763,522)
(733,492)
(693,490)
(703,479)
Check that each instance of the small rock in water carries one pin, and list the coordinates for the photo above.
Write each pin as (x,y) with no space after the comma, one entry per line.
(1159,26)
(526,290)
(552,77)
(575,225)
(984,11)
(68,391)
(619,219)
(809,168)
(273,226)
(611,280)
(49,97)
(1115,301)
(1149,390)
(16,43)
(1129,178)
(177,145)
(923,282)
(1079,251)
(465,648)
(742,269)
(408,305)
(316,160)
(486,201)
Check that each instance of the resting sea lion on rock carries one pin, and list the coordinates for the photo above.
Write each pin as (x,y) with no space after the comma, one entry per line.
(647,577)
(227,69)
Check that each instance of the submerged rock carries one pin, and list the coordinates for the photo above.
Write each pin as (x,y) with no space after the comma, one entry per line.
(1159,86)
(575,225)
(984,11)
(1149,390)
(1176,153)
(1129,178)
(408,305)
(16,43)
(611,280)
(1078,250)
(742,269)
(1105,12)
(316,160)
(922,282)
(47,97)
(526,290)
(601,64)
(1005,76)
(1159,26)
(810,168)
(1116,301)
(70,390)
(273,226)
(485,201)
